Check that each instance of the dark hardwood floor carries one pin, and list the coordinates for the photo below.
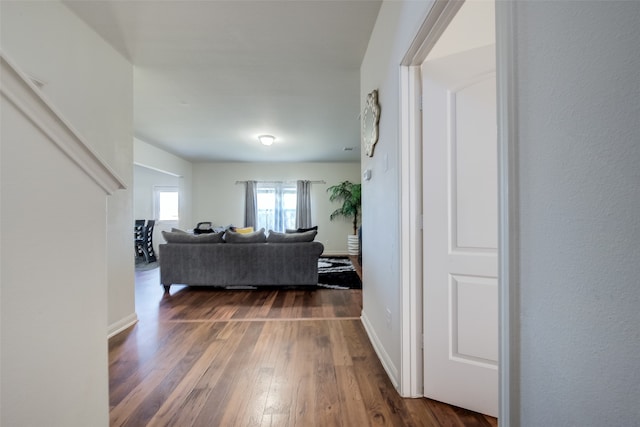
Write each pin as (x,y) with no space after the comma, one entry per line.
(207,357)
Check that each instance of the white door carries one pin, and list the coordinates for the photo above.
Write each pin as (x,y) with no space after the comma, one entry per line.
(460,193)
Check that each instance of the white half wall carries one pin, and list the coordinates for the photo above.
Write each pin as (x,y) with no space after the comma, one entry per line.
(217,197)
(54,308)
(92,86)
(577,104)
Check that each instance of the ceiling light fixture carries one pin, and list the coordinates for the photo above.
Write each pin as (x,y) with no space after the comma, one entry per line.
(266,139)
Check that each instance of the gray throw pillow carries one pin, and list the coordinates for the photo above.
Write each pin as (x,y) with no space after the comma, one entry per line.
(182,237)
(275,237)
(255,237)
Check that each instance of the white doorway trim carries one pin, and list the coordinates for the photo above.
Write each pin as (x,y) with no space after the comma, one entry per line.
(508,214)
(411,383)
(435,23)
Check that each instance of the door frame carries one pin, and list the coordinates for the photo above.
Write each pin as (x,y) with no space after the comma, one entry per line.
(411,382)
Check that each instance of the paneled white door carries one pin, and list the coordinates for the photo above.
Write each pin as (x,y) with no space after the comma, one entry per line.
(460,209)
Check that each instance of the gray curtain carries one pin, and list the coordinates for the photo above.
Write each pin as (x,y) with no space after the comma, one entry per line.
(250,205)
(303,206)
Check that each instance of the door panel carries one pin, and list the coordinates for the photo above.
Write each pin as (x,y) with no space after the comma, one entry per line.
(473,166)
(460,230)
(474,302)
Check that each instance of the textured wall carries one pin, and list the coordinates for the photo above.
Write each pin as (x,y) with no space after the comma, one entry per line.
(579,139)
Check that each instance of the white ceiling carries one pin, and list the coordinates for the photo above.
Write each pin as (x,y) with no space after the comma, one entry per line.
(210,76)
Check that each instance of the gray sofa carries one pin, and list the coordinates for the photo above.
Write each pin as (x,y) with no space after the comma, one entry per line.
(240,264)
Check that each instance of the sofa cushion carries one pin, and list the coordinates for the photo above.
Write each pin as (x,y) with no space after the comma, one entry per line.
(275,237)
(182,237)
(235,237)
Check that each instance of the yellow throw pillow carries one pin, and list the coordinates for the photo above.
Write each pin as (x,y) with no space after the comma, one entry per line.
(245,230)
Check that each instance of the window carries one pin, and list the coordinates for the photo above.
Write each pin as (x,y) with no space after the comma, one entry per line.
(166,204)
(276,206)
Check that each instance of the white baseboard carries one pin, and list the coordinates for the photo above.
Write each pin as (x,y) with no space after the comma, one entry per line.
(122,324)
(387,364)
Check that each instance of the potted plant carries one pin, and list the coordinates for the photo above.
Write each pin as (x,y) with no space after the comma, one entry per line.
(349,194)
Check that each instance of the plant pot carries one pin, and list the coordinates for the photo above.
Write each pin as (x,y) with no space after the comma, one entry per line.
(353,245)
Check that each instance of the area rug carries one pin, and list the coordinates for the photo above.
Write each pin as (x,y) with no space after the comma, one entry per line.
(337,273)
(142,265)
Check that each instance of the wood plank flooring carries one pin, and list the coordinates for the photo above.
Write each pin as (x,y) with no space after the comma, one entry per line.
(207,357)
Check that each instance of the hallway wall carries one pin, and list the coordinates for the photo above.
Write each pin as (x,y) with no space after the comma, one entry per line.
(578,141)
(396,26)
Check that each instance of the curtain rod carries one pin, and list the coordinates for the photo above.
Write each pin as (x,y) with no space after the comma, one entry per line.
(281,182)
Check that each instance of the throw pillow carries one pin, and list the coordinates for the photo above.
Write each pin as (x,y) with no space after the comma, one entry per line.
(275,237)
(235,237)
(245,230)
(177,230)
(182,237)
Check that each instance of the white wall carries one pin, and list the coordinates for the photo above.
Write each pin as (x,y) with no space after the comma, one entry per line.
(578,104)
(219,199)
(396,26)
(54,308)
(77,278)
(154,158)
(144,182)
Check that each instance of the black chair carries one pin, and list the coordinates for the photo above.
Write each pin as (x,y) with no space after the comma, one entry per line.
(145,243)
(138,237)
(360,246)
(203,228)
